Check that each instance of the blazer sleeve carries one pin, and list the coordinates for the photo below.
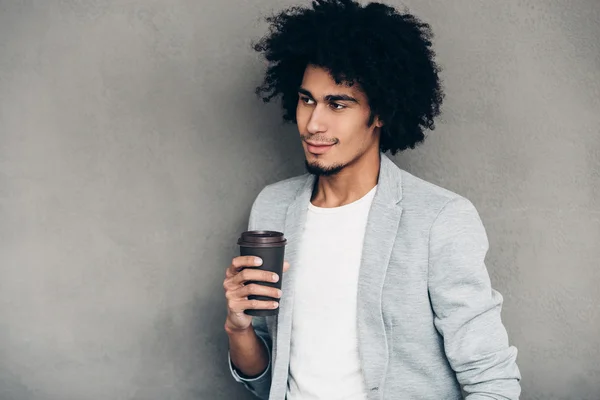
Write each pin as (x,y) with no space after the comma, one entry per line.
(260,386)
(466,308)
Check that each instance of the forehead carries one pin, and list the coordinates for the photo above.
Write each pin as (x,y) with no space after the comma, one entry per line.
(320,83)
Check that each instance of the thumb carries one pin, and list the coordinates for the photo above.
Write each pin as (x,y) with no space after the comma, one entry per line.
(286,266)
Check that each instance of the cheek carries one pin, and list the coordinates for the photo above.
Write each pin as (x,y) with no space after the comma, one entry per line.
(354,132)
(352,128)
(301,115)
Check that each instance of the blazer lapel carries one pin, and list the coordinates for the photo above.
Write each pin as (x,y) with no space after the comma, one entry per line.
(294,226)
(381,231)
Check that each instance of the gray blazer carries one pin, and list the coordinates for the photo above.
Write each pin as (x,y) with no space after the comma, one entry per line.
(428,319)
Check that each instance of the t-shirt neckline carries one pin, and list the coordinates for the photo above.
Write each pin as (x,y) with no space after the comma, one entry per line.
(345,207)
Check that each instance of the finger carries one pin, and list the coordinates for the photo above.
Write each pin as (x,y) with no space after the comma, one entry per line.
(244,261)
(286,266)
(229,285)
(238,306)
(256,289)
(254,275)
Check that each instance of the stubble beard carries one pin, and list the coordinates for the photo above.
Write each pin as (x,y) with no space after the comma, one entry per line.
(316,169)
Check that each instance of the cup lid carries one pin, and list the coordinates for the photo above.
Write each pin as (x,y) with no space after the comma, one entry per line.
(253,238)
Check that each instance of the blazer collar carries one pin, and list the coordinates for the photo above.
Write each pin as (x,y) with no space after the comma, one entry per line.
(389,186)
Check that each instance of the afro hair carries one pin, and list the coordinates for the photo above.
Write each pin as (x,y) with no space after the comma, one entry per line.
(387,53)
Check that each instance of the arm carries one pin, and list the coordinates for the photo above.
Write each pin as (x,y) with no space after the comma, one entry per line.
(467,309)
(250,358)
(250,353)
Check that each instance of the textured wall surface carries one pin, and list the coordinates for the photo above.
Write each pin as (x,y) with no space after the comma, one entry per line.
(132,146)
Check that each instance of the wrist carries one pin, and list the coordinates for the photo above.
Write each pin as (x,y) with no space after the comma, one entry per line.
(235,331)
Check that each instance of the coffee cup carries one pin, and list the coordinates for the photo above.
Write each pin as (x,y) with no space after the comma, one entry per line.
(270,247)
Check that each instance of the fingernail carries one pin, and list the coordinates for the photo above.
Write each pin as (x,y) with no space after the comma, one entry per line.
(275,278)
(257,261)
(278,293)
(275,304)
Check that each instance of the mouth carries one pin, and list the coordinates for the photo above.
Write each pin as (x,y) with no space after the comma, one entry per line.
(318,148)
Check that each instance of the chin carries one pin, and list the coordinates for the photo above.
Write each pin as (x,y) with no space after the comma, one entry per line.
(323,169)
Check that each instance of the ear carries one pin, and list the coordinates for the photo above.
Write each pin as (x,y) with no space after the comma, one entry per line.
(378,122)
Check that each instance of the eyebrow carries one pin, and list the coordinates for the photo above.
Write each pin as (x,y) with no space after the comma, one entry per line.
(330,97)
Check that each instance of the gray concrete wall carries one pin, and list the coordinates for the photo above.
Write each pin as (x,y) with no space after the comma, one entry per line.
(132,146)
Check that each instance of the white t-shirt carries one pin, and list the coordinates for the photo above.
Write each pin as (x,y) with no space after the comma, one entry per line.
(324,359)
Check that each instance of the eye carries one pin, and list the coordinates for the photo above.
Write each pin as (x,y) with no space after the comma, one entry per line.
(337,106)
(307,100)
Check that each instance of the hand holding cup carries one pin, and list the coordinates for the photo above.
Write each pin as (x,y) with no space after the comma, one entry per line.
(251,287)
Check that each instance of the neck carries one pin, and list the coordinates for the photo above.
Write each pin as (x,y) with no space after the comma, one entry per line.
(350,184)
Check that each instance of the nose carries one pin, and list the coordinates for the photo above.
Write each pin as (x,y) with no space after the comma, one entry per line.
(316,123)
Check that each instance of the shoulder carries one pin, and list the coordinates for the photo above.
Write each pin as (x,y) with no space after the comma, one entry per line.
(425,195)
(435,204)
(280,193)
(283,190)
(271,204)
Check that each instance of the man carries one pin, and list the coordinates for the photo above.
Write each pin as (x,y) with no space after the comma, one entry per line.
(385,293)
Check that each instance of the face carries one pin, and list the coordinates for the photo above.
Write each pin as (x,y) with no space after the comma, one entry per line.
(333,123)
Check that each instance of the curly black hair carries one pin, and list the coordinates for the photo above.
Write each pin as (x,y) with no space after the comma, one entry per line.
(387,53)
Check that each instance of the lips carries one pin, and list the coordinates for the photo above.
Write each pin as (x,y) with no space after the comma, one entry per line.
(319,144)
(318,148)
